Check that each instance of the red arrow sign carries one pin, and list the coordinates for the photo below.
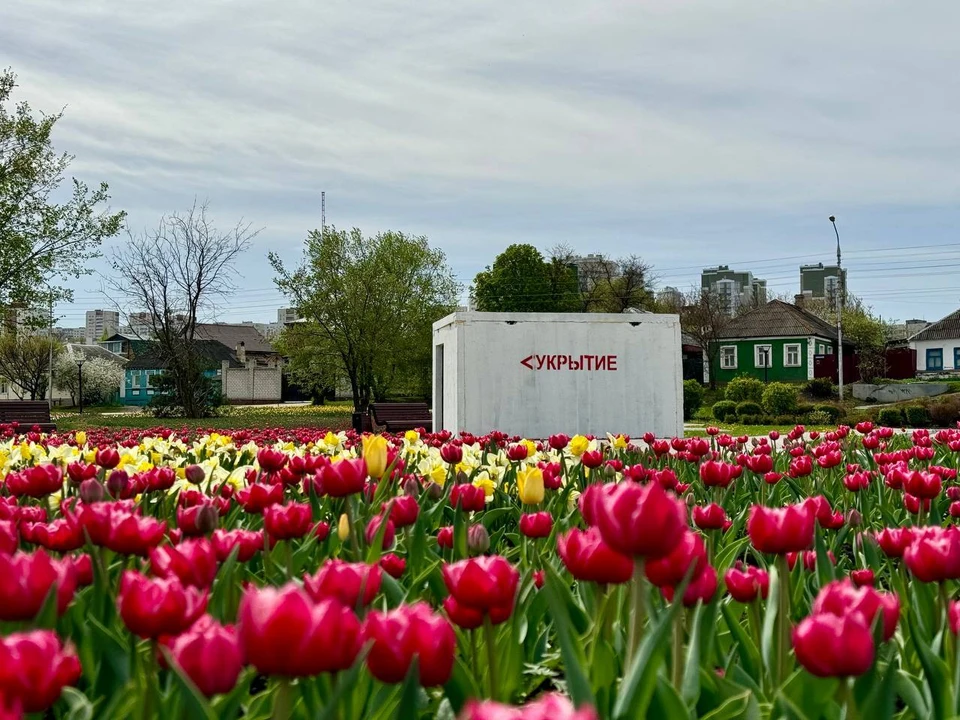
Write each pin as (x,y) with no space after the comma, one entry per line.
(526,362)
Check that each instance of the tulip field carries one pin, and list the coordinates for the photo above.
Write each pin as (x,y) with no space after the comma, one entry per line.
(297,573)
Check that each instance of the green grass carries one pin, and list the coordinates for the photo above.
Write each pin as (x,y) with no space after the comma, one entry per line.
(755,430)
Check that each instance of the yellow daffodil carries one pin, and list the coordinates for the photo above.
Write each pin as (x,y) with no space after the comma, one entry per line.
(375,454)
(90,457)
(578,445)
(81,438)
(331,440)
(343,527)
(530,485)
(25,452)
(438,474)
(181,473)
(487,484)
(412,437)
(531,447)
(619,442)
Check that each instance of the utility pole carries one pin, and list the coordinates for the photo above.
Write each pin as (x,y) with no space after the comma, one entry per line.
(323,212)
(833,221)
(50,343)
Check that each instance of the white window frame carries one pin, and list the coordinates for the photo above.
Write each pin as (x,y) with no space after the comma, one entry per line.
(756,355)
(786,355)
(135,382)
(723,364)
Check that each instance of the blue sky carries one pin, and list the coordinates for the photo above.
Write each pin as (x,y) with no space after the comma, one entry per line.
(690,133)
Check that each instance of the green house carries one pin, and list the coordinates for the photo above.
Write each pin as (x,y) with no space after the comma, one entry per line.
(775,342)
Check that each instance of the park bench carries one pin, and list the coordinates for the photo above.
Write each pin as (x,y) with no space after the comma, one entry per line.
(398,417)
(27,413)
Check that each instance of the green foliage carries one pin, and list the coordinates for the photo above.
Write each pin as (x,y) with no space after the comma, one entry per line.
(370,304)
(25,362)
(780,398)
(45,231)
(692,398)
(745,388)
(520,280)
(833,412)
(724,409)
(890,417)
(863,329)
(820,389)
(174,393)
(945,412)
(819,417)
(748,408)
(917,416)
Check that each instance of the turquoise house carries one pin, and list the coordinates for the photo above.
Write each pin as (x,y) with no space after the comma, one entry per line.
(140,373)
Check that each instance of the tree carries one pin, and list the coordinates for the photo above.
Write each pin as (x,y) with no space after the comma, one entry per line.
(371,303)
(313,363)
(520,280)
(101,378)
(704,318)
(41,238)
(25,362)
(862,328)
(175,274)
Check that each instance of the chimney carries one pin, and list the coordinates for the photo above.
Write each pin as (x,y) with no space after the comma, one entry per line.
(241,353)
(800,300)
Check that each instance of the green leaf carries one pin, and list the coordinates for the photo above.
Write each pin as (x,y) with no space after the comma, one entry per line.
(114,668)
(825,569)
(666,703)
(194,703)
(691,673)
(746,648)
(810,694)
(570,649)
(410,696)
(80,706)
(906,688)
(934,670)
(769,632)
(732,708)
(47,617)
(460,687)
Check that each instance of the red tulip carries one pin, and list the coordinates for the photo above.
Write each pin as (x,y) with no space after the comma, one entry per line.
(258,497)
(82,568)
(154,607)
(842,597)
(224,541)
(470,618)
(197,520)
(469,498)
(641,520)
(718,474)
(108,458)
(482,583)
(346,582)
(63,535)
(445,537)
(689,555)
(760,464)
(801,466)
(26,580)
(546,707)
(925,485)
(588,558)
(161,478)
(701,589)
(954,617)
(894,541)
(209,654)
(709,517)
(451,454)
(781,530)
(286,522)
(271,461)
(36,481)
(538,579)
(78,472)
(9,539)
(344,477)
(536,525)
(828,645)
(283,632)
(809,559)
(592,459)
(934,554)
(856,481)
(373,527)
(193,562)
(397,636)
(393,565)
(746,582)
(34,669)
(590,503)
(404,511)
(558,442)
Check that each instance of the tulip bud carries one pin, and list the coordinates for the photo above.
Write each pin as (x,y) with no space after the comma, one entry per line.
(412,487)
(91,491)
(195,474)
(690,500)
(462,478)
(343,528)
(854,518)
(117,482)
(434,491)
(609,472)
(478,539)
(207,519)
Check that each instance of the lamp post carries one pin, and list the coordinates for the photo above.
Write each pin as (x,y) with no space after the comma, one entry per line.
(80,363)
(833,221)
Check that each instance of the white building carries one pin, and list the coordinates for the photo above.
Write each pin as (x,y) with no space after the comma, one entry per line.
(592,269)
(288,315)
(734,288)
(938,346)
(70,335)
(101,324)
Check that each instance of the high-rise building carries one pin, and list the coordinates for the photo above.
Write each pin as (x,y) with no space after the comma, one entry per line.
(822,281)
(734,287)
(71,335)
(670,297)
(288,315)
(30,321)
(101,324)
(592,269)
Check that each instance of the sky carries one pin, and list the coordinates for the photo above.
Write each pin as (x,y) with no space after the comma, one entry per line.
(689,132)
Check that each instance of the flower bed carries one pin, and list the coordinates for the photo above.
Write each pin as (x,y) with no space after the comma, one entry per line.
(305,574)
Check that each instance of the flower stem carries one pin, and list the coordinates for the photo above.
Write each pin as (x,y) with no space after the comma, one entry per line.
(637,614)
(490,636)
(678,650)
(283,700)
(783,618)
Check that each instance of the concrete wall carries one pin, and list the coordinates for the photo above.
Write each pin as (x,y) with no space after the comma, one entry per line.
(898,393)
(535,374)
(252,384)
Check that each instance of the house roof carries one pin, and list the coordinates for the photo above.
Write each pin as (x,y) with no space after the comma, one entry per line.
(211,350)
(778,319)
(233,335)
(89,352)
(946,329)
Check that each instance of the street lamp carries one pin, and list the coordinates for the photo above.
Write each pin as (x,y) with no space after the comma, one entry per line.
(833,221)
(80,363)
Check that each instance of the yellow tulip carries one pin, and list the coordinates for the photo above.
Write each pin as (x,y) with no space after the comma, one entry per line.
(375,453)
(530,485)
(81,438)
(578,445)
(343,528)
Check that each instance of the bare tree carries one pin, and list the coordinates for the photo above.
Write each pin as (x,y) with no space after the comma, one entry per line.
(25,362)
(171,275)
(610,285)
(704,317)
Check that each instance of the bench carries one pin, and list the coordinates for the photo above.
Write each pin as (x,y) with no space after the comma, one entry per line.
(398,417)
(27,413)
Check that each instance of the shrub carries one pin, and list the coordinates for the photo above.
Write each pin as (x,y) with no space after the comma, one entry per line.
(945,412)
(917,416)
(785,420)
(751,420)
(780,398)
(692,398)
(804,409)
(724,409)
(820,388)
(819,417)
(748,408)
(890,417)
(744,388)
(831,411)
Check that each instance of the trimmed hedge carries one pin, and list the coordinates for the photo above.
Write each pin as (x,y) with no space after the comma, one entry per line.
(820,388)
(780,398)
(890,417)
(692,398)
(748,408)
(744,388)
(831,411)
(724,409)
(917,416)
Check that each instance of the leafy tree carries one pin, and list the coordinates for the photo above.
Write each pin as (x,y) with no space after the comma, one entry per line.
(862,328)
(521,280)
(313,363)
(704,318)
(25,362)
(176,274)
(101,378)
(372,302)
(40,237)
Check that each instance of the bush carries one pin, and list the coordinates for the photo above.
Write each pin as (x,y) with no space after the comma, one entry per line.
(917,416)
(833,412)
(820,388)
(744,388)
(945,413)
(748,408)
(890,417)
(724,409)
(819,417)
(785,420)
(692,398)
(780,398)
(804,409)
(751,420)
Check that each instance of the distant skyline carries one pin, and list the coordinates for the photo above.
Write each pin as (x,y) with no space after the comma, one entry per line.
(692,134)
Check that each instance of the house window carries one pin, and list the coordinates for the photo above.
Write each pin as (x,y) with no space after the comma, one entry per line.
(956,358)
(135,383)
(935,359)
(762,356)
(728,357)
(791,355)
